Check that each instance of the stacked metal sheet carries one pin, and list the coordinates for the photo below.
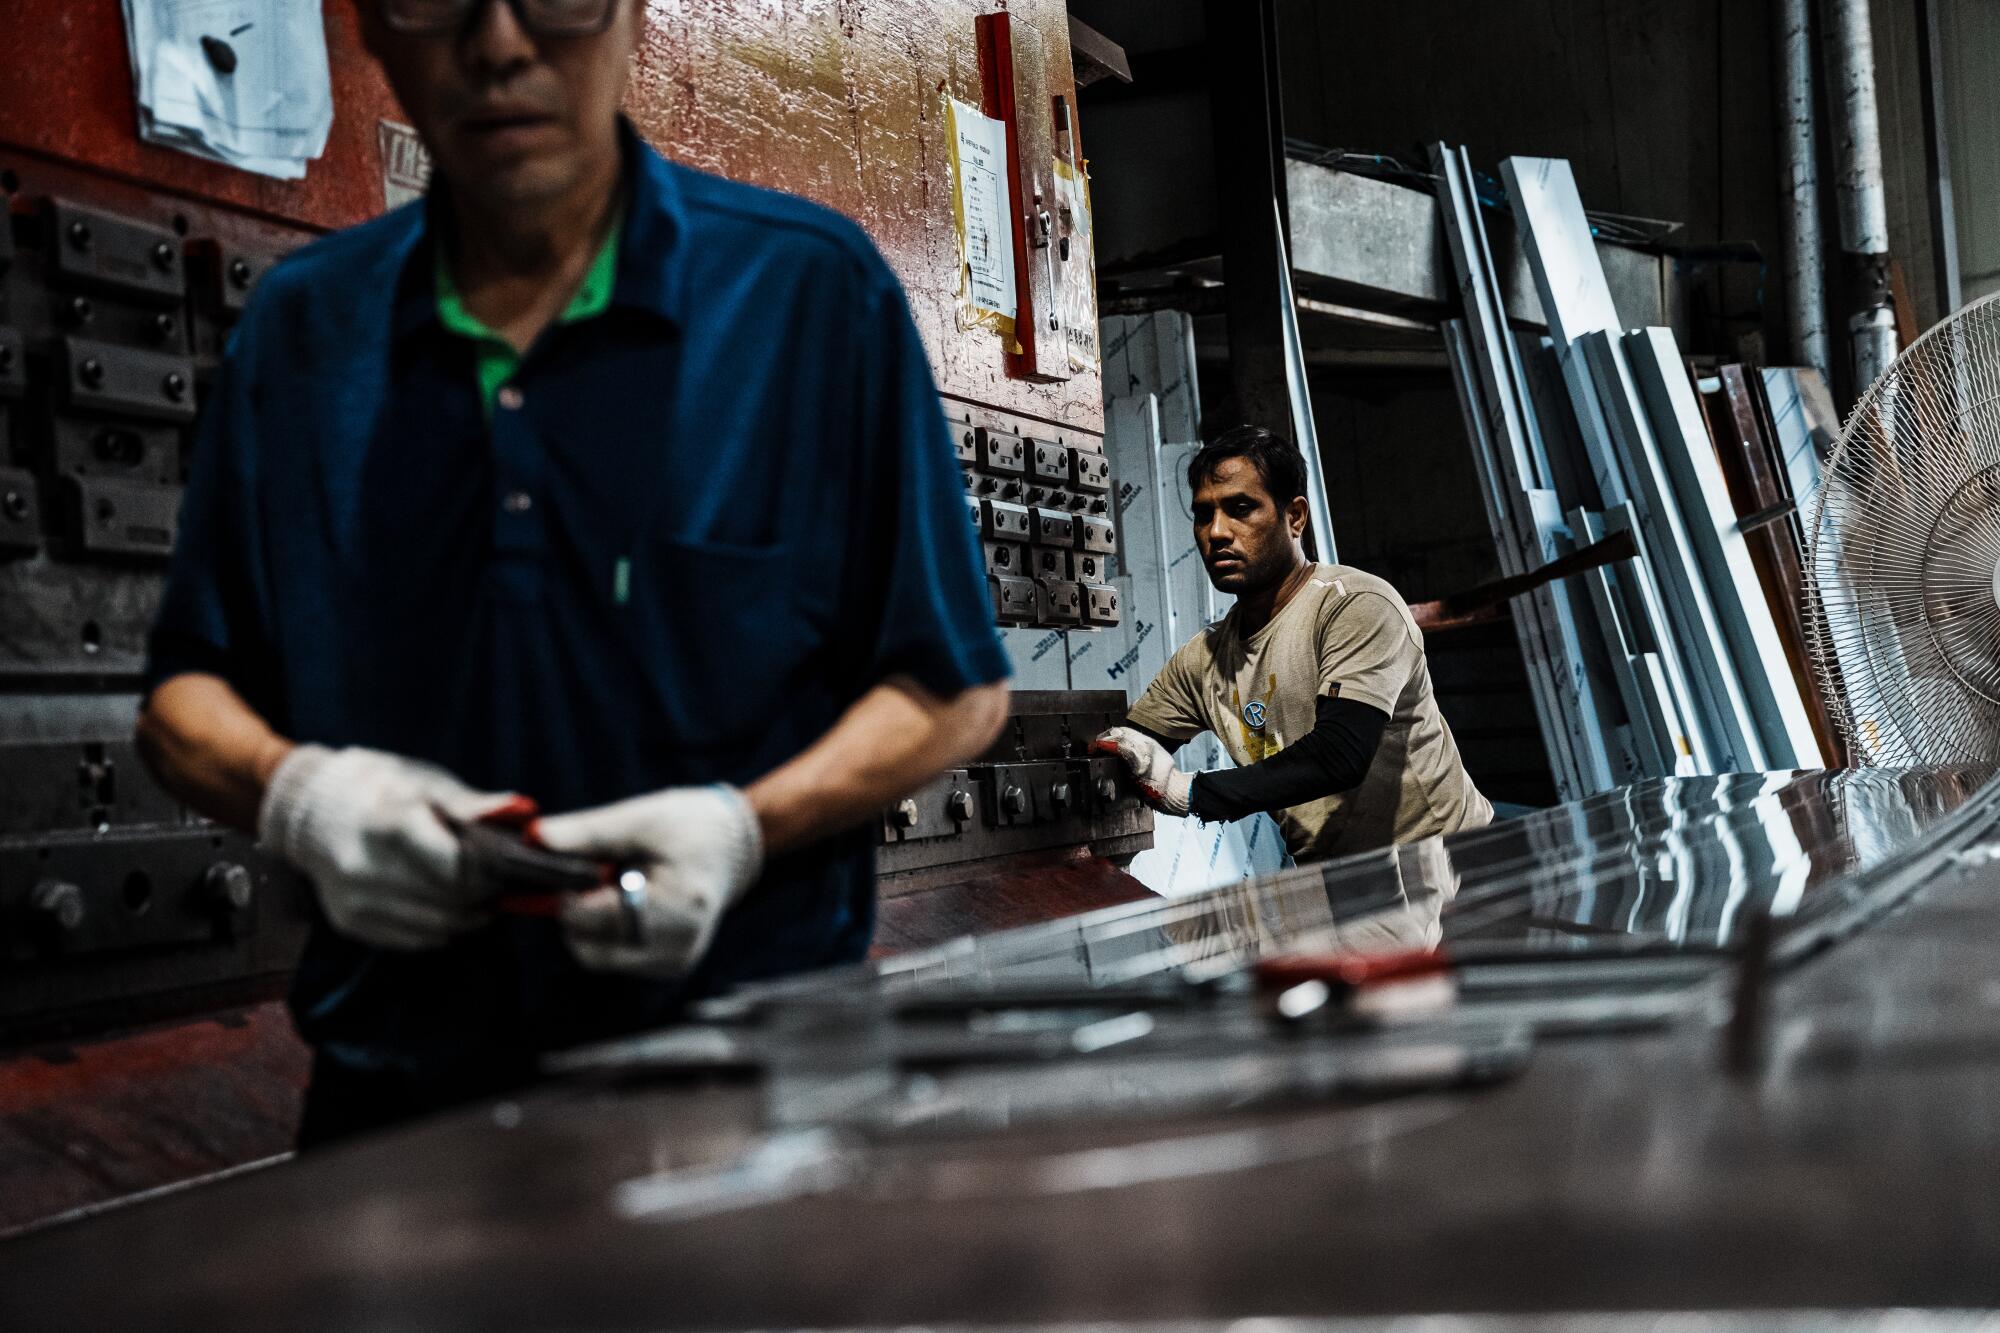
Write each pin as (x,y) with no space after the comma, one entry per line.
(1669,663)
(1149,1090)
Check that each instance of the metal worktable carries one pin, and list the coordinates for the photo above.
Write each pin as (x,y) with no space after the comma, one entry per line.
(1846,1163)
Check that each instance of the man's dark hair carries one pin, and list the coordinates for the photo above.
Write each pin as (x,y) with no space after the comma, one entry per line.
(1279,464)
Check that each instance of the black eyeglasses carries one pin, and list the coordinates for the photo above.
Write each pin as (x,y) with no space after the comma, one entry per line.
(544,18)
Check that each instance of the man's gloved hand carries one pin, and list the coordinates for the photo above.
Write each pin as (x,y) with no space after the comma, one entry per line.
(695,850)
(364,826)
(1165,787)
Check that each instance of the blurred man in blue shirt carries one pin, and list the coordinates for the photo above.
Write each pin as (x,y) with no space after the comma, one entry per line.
(591,483)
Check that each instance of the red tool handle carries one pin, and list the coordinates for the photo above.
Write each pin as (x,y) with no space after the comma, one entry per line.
(1285,970)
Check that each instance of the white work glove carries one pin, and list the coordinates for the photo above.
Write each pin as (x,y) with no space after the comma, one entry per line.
(688,853)
(364,827)
(1165,787)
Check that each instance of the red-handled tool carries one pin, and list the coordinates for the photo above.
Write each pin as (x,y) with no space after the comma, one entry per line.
(1397,985)
(500,859)
(1350,970)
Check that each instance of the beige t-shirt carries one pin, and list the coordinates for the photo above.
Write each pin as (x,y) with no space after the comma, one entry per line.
(1346,635)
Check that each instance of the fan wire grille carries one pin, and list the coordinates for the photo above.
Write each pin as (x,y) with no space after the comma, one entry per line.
(1903,559)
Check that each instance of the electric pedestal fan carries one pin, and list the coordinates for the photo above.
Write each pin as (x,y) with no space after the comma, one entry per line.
(1903,570)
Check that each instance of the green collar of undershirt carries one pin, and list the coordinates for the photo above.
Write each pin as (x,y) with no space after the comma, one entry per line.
(494,358)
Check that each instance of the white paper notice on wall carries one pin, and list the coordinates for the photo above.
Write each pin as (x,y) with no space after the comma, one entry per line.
(982,212)
(239,81)
(1079,265)
(406,163)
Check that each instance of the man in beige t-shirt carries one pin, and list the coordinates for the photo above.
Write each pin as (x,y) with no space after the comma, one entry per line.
(1315,681)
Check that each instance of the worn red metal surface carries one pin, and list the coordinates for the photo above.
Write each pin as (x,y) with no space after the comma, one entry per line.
(96,1120)
(68,95)
(840,102)
(835,101)
(1017,892)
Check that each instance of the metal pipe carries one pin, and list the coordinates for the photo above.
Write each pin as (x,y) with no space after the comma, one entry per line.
(1864,212)
(1298,387)
(1805,271)
(1937,159)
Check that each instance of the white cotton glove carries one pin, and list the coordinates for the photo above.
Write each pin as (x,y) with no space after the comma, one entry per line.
(689,853)
(1165,787)
(364,827)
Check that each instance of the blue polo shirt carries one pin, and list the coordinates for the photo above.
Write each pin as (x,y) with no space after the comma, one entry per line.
(698,525)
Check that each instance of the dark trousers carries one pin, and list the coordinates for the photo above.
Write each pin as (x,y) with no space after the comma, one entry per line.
(343,1102)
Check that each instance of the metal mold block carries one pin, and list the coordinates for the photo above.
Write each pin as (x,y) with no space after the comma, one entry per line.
(106,516)
(1001,452)
(1013,599)
(1005,559)
(1052,527)
(1003,521)
(1049,461)
(127,450)
(70,897)
(104,252)
(1089,470)
(112,317)
(1110,786)
(932,811)
(1096,535)
(1051,563)
(1060,601)
(1060,791)
(1100,604)
(128,381)
(1008,792)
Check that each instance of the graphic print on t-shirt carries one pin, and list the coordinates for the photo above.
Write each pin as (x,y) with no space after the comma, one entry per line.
(1250,719)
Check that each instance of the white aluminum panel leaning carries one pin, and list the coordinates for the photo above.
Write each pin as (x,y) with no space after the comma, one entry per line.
(1522,510)
(1735,744)
(1625,459)
(1505,453)
(1138,646)
(1581,679)
(1555,236)
(1561,251)
(1611,494)
(1537,619)
(1783,725)
(1658,728)
(1498,391)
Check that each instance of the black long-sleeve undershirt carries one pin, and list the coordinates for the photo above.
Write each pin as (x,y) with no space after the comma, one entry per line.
(1332,757)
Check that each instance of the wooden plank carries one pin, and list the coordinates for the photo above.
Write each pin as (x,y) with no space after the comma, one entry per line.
(1757,482)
